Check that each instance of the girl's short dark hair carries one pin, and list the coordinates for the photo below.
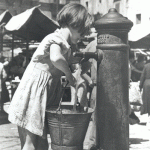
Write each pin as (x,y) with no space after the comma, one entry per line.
(76,16)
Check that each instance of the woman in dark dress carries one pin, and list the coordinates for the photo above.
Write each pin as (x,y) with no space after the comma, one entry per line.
(145,85)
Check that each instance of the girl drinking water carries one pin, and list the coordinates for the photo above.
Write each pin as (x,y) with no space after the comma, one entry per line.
(40,86)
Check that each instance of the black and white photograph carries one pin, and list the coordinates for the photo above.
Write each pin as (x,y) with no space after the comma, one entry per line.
(74,74)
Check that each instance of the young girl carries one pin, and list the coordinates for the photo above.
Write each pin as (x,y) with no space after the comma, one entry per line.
(40,84)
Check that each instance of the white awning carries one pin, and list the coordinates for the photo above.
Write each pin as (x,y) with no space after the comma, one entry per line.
(31,24)
(138,32)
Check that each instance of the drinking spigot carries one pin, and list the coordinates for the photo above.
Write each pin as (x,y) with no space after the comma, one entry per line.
(98,56)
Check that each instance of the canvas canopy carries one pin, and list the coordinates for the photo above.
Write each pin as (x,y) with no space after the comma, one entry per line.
(139,36)
(31,24)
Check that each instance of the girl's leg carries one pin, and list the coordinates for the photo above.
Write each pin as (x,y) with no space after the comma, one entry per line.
(22,135)
(148,122)
(30,142)
(42,144)
(92,131)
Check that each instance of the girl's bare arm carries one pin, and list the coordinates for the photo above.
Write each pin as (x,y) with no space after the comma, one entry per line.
(60,62)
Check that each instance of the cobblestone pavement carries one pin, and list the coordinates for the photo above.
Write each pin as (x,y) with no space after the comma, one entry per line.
(139,136)
(9,138)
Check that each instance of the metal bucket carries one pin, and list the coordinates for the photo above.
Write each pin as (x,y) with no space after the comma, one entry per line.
(68,129)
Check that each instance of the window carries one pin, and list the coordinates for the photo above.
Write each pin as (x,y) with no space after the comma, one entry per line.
(62,2)
(116,0)
(45,1)
(117,6)
(87,4)
(2,10)
(56,1)
(138,18)
(51,1)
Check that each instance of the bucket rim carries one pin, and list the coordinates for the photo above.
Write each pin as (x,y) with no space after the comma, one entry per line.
(90,110)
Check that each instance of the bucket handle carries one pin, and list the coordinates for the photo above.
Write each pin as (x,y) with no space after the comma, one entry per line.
(76,99)
(59,107)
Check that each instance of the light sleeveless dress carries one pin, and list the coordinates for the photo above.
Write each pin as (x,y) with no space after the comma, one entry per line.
(39,86)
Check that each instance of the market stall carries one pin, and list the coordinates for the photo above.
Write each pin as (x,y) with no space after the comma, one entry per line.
(25,30)
(4,18)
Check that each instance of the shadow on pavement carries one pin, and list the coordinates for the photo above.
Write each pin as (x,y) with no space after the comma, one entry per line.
(137,140)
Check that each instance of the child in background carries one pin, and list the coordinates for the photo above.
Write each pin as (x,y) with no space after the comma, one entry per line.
(91,47)
(84,81)
(81,73)
(40,85)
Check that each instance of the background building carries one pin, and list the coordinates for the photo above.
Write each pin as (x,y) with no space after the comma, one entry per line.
(135,10)
(49,7)
(138,11)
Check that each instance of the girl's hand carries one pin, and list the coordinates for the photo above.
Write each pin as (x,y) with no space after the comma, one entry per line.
(140,89)
(91,84)
(72,81)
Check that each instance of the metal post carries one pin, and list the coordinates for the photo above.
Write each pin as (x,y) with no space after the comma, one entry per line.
(57,6)
(1,38)
(13,45)
(27,48)
(112,82)
(1,48)
(1,51)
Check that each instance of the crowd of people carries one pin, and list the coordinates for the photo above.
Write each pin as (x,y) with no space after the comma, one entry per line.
(145,88)
(140,72)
